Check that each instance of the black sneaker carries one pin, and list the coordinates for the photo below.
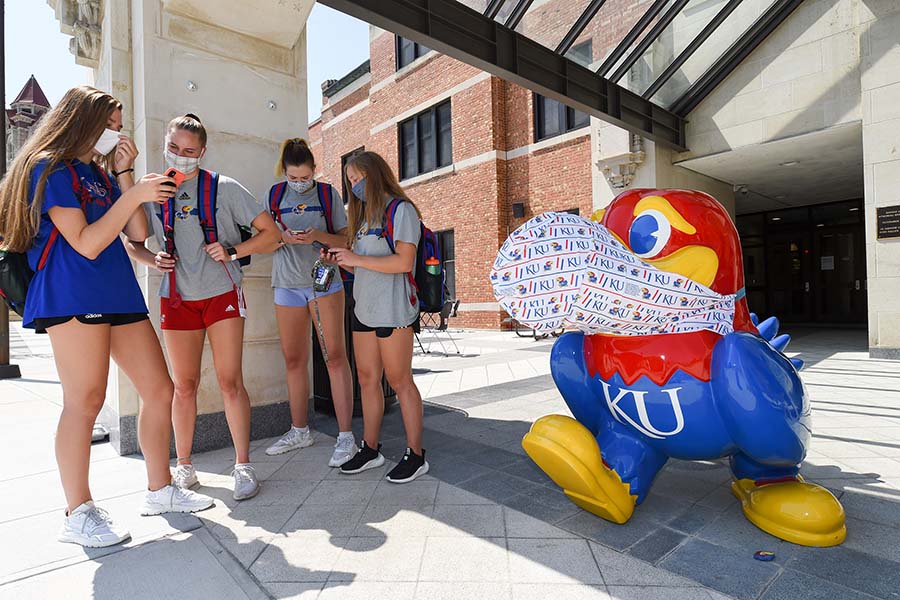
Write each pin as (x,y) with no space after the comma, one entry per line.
(411,466)
(365,459)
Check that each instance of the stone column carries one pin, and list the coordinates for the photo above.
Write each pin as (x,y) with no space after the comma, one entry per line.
(880,77)
(241,66)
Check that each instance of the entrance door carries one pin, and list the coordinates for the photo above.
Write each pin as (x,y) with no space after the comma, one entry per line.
(840,275)
(788,262)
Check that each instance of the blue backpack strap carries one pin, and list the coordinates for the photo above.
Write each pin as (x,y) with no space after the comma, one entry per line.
(324,190)
(208,188)
(391,212)
(276,194)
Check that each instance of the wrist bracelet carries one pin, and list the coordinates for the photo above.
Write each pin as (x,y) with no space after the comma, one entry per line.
(117,173)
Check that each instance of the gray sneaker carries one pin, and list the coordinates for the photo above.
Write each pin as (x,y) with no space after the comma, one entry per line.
(245,482)
(292,440)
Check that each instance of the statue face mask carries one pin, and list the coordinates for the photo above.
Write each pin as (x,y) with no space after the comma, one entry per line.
(560,270)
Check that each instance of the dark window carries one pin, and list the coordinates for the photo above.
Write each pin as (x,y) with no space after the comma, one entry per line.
(582,53)
(574,211)
(344,160)
(552,118)
(448,253)
(426,141)
(408,51)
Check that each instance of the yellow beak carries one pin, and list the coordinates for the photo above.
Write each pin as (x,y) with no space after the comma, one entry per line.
(697,263)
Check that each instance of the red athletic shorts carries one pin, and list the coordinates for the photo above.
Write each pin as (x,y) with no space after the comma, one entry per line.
(200,314)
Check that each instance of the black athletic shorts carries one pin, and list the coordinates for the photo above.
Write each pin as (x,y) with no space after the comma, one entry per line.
(382,332)
(41,325)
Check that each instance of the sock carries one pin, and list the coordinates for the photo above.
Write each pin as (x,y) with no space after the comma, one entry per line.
(301,429)
(345,434)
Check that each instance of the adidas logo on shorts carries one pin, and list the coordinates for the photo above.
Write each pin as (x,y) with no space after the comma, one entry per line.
(229,309)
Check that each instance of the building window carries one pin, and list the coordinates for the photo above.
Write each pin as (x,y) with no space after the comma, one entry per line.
(574,211)
(407,51)
(582,53)
(426,141)
(448,253)
(552,118)
(344,160)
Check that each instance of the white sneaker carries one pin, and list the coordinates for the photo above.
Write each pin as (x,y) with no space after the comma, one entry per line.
(292,440)
(92,527)
(245,483)
(344,449)
(173,499)
(184,476)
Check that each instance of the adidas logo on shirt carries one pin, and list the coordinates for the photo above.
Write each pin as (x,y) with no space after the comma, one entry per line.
(184,196)
(229,309)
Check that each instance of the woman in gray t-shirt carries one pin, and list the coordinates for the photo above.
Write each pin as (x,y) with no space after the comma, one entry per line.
(310,215)
(386,309)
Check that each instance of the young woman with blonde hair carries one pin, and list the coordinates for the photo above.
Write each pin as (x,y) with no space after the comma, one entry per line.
(201,291)
(310,215)
(58,205)
(386,310)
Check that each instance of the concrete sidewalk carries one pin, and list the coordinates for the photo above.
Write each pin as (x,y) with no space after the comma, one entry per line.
(485,523)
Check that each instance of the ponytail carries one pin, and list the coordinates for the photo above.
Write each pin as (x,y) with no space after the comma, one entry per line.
(189,122)
(295,152)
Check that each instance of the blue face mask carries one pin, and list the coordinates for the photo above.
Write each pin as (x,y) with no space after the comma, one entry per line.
(359,190)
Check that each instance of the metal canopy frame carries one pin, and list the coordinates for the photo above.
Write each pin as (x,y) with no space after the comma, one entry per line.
(476,38)
(458,31)
(731,58)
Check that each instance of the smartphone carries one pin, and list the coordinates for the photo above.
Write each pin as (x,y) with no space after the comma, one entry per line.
(177,175)
(320,246)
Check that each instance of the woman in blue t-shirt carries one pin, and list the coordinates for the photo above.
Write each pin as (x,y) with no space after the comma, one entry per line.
(61,207)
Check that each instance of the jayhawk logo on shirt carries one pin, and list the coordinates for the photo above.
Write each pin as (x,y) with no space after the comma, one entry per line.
(299,209)
(185,212)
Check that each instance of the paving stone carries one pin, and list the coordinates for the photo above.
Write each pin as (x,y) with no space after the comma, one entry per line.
(368,590)
(454,471)
(871,508)
(730,571)
(415,493)
(334,520)
(621,569)
(432,590)
(851,568)
(791,585)
(520,525)
(450,494)
(874,538)
(246,529)
(552,561)
(300,558)
(657,544)
(477,521)
(693,519)
(494,486)
(333,492)
(620,537)
(373,559)
(620,592)
(732,530)
(465,559)
(542,591)
(293,591)
(386,521)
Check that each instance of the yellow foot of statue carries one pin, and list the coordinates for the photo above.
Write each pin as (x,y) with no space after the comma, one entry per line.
(566,451)
(796,511)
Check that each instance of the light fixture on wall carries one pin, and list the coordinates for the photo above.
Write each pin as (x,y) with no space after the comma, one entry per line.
(790,163)
(518,210)
(272,105)
(191,86)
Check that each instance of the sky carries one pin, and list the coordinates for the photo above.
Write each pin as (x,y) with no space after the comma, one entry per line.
(30,21)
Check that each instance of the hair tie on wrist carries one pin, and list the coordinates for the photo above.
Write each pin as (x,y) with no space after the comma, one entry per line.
(117,173)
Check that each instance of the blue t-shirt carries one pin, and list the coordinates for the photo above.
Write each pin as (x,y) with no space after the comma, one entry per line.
(69,283)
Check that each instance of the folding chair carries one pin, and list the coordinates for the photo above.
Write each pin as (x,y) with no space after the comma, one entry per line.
(439,323)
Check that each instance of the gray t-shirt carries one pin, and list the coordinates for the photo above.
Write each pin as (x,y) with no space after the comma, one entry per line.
(383,299)
(292,264)
(198,276)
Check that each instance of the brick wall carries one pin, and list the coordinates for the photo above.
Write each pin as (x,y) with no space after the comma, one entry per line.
(475,201)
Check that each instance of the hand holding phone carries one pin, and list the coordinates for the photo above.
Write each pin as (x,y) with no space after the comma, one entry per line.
(177,175)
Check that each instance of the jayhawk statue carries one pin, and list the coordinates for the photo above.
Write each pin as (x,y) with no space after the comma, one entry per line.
(640,400)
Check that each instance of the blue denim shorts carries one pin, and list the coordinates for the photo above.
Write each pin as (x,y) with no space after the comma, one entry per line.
(300,297)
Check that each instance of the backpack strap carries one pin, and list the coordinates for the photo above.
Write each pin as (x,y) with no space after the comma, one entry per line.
(390,213)
(325,195)
(208,187)
(54,233)
(276,194)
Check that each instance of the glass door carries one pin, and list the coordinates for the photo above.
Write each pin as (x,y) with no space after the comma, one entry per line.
(788,261)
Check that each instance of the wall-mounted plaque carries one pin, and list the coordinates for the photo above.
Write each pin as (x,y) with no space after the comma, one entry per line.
(887,222)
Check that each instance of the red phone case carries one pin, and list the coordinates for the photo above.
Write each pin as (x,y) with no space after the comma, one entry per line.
(177,175)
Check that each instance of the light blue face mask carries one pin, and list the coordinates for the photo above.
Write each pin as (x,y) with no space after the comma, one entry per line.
(359,190)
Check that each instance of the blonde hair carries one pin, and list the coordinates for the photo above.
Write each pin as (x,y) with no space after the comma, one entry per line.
(381,184)
(66,132)
(294,153)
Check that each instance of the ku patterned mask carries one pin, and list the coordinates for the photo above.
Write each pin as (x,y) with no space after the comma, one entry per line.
(301,187)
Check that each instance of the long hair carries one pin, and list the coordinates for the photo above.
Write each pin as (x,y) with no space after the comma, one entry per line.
(66,132)
(381,185)
(295,152)
(191,123)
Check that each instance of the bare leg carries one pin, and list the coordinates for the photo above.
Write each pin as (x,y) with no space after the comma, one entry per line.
(185,353)
(331,309)
(369,370)
(82,361)
(227,340)
(293,325)
(396,352)
(136,350)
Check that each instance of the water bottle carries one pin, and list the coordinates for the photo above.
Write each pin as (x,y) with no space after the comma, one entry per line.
(322,274)
(433,266)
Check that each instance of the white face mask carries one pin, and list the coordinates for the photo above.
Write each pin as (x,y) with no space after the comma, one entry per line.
(185,164)
(559,269)
(108,140)
(301,186)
